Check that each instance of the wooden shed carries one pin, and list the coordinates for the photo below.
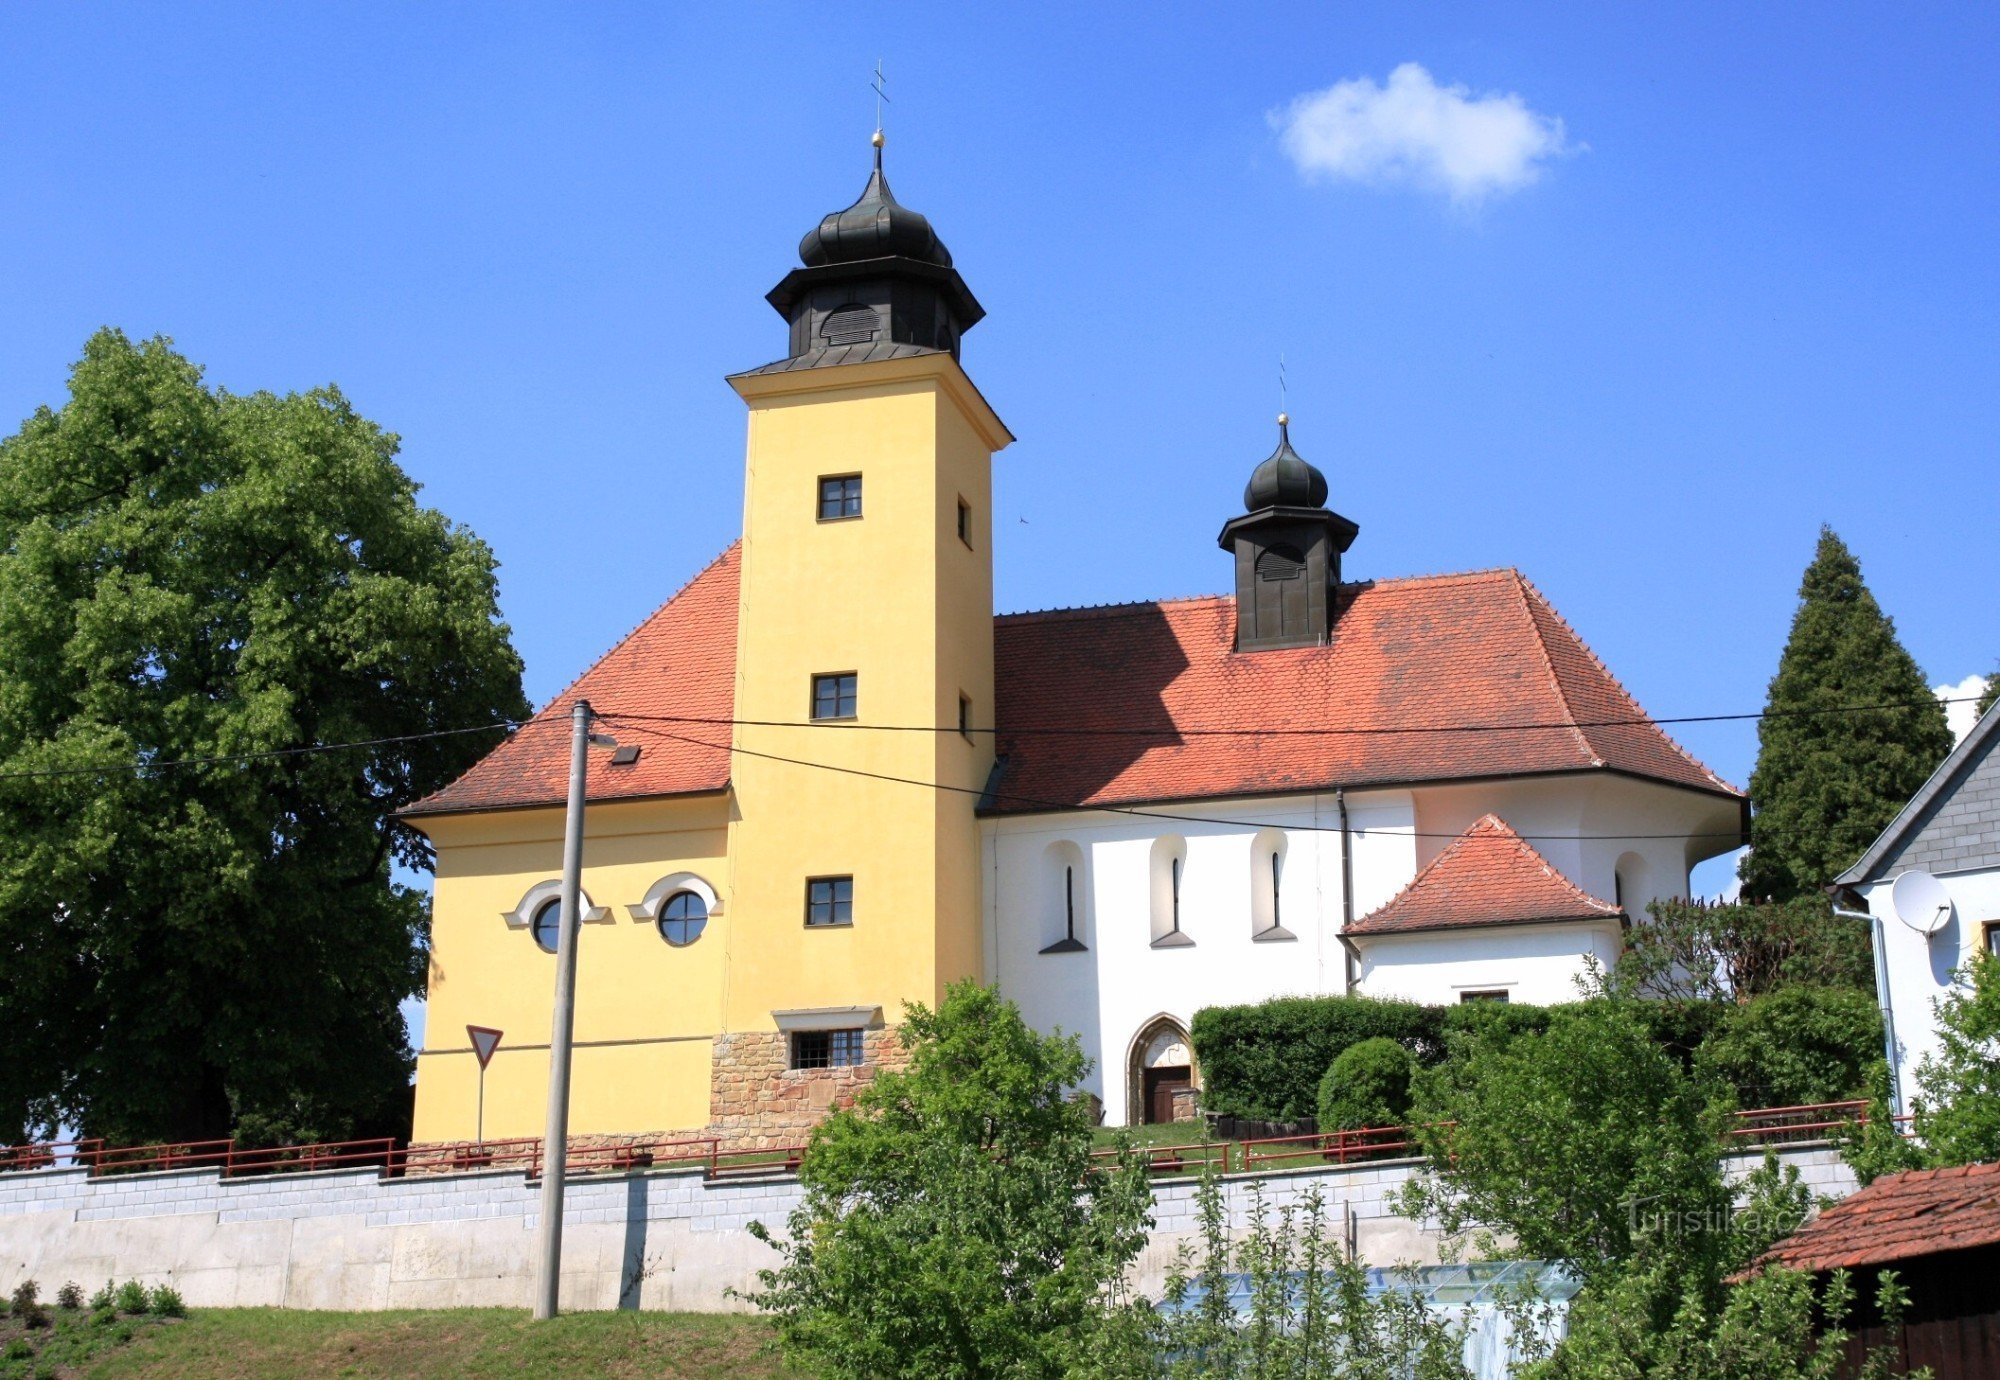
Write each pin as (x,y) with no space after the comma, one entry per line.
(1939,1230)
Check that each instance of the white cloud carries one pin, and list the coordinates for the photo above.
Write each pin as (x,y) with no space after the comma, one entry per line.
(1412,130)
(1962,716)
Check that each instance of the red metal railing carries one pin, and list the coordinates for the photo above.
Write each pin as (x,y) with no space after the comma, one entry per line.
(1759,1127)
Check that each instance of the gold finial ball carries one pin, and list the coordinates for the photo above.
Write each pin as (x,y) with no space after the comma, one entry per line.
(1284,419)
(876,139)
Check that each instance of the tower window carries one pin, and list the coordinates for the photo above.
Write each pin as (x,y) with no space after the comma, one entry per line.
(965,522)
(965,715)
(826,1049)
(854,324)
(829,901)
(835,696)
(1281,563)
(839,497)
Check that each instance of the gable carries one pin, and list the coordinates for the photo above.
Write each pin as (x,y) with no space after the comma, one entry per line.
(1953,823)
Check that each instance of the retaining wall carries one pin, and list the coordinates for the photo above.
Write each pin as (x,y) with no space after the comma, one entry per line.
(665,1239)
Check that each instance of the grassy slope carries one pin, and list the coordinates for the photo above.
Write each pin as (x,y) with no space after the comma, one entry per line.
(273,1344)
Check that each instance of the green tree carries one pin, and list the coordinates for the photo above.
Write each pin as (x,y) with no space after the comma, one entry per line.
(954,1222)
(1797,1046)
(1827,781)
(1990,696)
(1708,951)
(197,919)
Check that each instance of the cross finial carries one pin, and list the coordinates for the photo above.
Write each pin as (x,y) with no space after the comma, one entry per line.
(880,97)
(1284,410)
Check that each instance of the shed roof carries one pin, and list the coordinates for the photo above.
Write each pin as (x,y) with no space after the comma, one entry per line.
(1898,1217)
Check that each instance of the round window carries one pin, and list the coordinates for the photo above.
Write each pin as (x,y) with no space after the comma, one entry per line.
(547,924)
(683,918)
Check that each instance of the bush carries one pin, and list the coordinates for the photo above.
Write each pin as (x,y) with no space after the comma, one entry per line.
(1266,1061)
(27,1304)
(1368,1085)
(1502,1019)
(105,1298)
(1682,1027)
(165,1302)
(1797,1045)
(132,1297)
(69,1298)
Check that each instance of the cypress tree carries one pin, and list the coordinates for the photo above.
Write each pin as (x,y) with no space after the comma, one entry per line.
(1827,783)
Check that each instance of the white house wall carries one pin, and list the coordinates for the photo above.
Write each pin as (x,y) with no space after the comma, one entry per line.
(1537,964)
(1920,968)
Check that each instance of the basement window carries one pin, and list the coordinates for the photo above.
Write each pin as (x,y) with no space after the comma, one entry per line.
(1494,994)
(826,1049)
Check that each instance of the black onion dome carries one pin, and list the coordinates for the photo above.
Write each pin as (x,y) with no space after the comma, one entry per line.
(1286,479)
(875,227)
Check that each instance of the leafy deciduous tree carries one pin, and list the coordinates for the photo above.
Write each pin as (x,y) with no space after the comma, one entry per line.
(954,1223)
(197,922)
(1827,781)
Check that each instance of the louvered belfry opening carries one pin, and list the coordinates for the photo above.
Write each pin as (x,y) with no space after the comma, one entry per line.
(1287,546)
(876,282)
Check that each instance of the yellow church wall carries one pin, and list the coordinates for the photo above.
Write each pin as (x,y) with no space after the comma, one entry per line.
(896,598)
(644,1009)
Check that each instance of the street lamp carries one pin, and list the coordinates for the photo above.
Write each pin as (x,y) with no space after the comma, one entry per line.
(555,1144)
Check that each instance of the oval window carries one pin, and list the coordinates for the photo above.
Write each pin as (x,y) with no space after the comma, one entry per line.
(683,918)
(547,924)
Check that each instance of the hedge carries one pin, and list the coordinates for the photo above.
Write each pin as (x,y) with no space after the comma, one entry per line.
(1368,1085)
(1265,1061)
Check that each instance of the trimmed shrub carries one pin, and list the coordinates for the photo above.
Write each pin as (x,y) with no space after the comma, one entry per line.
(1266,1061)
(1503,1019)
(1796,1045)
(1368,1085)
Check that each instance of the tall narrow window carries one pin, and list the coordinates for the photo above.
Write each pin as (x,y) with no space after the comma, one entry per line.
(965,716)
(1267,886)
(965,522)
(836,696)
(1064,913)
(1169,860)
(839,497)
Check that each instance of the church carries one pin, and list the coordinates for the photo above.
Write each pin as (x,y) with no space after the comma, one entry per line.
(839,782)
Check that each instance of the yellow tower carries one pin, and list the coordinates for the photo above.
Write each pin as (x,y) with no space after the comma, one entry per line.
(865,642)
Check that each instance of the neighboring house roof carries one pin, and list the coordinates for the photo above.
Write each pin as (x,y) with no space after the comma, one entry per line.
(1445,652)
(1899,1216)
(1949,823)
(681,661)
(1486,876)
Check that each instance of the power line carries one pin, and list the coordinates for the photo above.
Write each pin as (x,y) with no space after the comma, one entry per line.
(1178,731)
(1134,811)
(42,773)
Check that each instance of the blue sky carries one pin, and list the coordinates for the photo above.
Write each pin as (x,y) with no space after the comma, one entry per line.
(1746,285)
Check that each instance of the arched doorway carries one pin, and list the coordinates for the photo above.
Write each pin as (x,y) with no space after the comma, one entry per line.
(1159,1072)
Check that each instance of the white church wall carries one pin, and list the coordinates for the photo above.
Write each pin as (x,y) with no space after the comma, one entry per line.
(1540,965)
(1124,980)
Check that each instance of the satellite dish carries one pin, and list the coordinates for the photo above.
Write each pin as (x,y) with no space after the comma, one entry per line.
(1921,902)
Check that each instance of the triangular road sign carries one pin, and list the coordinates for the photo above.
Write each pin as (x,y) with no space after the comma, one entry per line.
(485,1040)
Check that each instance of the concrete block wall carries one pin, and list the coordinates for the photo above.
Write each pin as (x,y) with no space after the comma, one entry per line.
(664,1239)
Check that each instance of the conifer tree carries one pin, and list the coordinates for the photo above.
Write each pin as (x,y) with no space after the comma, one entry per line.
(1828,781)
(1991,693)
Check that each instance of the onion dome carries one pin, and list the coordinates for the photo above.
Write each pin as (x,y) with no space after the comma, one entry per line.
(876,226)
(1286,479)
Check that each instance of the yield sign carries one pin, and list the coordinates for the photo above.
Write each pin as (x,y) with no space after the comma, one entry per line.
(485,1039)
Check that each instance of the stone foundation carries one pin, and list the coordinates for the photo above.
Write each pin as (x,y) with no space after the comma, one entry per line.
(757,1101)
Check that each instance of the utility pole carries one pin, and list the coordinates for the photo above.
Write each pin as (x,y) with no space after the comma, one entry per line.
(555,1145)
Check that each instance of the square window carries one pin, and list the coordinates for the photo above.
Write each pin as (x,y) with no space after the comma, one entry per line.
(965,522)
(835,696)
(1993,937)
(830,901)
(839,497)
(965,715)
(1499,995)
(826,1049)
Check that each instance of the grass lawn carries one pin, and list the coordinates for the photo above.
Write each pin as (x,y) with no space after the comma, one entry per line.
(468,1343)
(1164,1133)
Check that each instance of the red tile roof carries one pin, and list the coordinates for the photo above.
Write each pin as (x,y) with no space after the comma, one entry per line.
(1920,1212)
(1444,652)
(680,661)
(1487,876)
(1451,651)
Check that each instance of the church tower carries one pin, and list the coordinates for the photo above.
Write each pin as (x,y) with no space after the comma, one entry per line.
(865,642)
(1288,546)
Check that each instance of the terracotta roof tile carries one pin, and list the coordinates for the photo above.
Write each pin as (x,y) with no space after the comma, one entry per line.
(680,661)
(1487,876)
(1447,651)
(1438,652)
(1899,1216)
